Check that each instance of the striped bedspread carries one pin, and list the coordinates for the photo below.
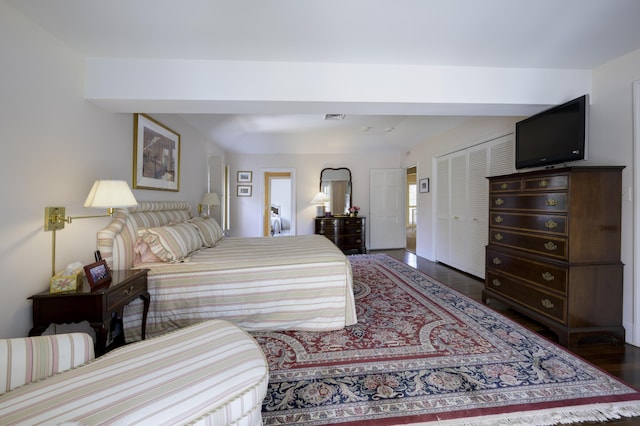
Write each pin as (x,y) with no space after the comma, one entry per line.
(288,283)
(212,373)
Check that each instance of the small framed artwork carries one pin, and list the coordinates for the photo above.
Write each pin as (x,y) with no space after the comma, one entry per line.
(156,155)
(244,191)
(98,274)
(423,185)
(245,177)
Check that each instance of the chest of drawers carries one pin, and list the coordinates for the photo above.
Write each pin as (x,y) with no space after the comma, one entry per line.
(348,233)
(554,249)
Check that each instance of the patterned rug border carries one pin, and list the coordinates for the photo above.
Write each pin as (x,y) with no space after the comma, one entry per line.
(594,408)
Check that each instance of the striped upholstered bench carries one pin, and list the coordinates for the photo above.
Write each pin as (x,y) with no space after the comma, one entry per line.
(212,373)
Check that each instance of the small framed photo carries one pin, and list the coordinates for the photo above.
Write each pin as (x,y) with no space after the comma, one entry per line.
(424,185)
(98,274)
(244,191)
(244,177)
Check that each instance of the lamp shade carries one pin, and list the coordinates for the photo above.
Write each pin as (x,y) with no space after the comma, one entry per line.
(110,194)
(210,199)
(320,198)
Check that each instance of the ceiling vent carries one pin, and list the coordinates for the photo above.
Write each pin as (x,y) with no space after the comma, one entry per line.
(334,117)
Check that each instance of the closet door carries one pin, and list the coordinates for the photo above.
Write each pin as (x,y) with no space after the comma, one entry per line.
(442,190)
(459,218)
(477,209)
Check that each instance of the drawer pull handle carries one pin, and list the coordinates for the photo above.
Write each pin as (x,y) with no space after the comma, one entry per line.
(498,237)
(504,186)
(499,219)
(499,201)
(497,261)
(496,282)
(128,291)
(552,202)
(358,241)
(547,303)
(544,183)
(549,245)
(550,224)
(548,276)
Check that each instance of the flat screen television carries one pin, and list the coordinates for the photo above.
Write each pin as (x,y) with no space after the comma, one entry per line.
(556,135)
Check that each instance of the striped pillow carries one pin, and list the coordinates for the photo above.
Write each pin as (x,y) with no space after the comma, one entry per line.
(171,243)
(209,229)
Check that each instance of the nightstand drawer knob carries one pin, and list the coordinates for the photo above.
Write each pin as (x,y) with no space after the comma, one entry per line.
(128,291)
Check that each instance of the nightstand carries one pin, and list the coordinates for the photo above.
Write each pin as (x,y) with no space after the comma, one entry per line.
(97,307)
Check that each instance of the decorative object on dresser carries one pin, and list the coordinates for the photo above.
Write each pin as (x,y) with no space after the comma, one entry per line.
(348,233)
(319,200)
(554,249)
(104,194)
(98,307)
(156,155)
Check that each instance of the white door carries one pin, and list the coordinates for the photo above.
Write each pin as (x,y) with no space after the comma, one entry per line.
(386,216)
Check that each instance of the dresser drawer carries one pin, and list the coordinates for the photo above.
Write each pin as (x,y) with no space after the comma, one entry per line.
(554,224)
(545,275)
(506,186)
(546,183)
(531,297)
(123,294)
(539,244)
(347,241)
(548,202)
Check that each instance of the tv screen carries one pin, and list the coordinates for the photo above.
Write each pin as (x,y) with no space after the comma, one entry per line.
(557,135)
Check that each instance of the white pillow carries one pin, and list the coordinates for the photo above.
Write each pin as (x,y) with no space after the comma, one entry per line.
(171,243)
(209,230)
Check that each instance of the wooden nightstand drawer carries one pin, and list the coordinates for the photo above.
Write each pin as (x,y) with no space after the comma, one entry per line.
(122,295)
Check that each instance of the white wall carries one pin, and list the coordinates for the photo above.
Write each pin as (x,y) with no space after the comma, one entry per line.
(55,144)
(308,167)
(611,142)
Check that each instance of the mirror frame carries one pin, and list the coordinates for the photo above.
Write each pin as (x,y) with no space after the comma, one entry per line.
(350,187)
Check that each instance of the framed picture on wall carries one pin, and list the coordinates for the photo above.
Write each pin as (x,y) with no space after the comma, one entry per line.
(244,191)
(244,177)
(423,185)
(156,155)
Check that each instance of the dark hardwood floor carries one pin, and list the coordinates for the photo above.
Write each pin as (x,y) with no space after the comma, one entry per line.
(622,360)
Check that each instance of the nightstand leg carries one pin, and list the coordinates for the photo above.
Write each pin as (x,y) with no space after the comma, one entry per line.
(146,299)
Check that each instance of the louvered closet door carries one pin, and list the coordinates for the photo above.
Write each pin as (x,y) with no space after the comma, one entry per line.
(478,207)
(443,234)
(459,219)
(462,201)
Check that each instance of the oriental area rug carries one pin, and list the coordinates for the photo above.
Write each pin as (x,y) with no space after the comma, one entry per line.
(422,353)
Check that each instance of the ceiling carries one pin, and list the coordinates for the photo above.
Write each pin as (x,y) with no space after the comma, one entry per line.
(568,34)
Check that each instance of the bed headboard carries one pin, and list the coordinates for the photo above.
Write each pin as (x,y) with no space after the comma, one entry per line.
(117,240)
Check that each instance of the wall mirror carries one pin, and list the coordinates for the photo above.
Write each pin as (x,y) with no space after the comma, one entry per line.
(336,183)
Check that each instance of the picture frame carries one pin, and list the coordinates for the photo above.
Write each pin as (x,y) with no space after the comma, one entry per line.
(423,185)
(98,274)
(156,155)
(244,191)
(244,177)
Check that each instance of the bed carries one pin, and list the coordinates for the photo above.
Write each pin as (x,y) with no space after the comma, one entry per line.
(291,283)
(276,220)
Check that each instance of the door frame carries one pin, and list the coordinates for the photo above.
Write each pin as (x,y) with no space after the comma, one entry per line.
(267,175)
